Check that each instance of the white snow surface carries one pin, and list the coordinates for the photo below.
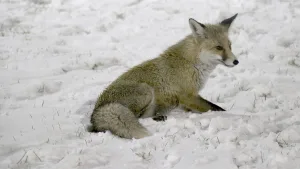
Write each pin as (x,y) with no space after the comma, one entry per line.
(57,56)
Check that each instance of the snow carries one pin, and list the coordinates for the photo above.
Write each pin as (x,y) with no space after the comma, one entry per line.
(56,57)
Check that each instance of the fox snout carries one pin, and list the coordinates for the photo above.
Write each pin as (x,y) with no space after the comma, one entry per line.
(231,61)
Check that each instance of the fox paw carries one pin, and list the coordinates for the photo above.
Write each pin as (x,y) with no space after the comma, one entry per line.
(160,118)
(217,108)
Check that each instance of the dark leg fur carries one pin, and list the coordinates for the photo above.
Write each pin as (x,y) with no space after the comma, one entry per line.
(92,129)
(214,107)
(160,118)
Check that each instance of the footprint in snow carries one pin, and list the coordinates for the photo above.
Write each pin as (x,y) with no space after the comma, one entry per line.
(205,159)
(171,160)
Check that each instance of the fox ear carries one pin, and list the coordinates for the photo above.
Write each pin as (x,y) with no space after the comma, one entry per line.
(197,28)
(227,22)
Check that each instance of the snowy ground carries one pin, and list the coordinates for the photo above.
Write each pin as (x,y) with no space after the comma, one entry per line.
(57,56)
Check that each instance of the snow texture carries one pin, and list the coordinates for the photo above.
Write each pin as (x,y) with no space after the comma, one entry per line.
(56,56)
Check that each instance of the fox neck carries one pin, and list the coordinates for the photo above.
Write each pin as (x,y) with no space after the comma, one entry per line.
(204,66)
(191,51)
(203,70)
(188,49)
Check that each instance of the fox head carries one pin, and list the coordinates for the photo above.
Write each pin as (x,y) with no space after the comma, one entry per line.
(213,42)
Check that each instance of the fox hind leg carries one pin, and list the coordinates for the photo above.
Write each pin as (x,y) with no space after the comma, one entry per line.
(120,107)
(119,120)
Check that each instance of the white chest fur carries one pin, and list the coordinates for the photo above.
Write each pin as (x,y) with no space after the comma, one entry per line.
(203,72)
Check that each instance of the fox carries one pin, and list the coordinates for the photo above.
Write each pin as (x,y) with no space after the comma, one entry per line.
(172,80)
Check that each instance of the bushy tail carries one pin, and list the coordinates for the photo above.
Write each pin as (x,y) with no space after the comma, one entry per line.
(119,120)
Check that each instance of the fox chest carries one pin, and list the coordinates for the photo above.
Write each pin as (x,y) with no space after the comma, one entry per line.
(194,82)
(201,76)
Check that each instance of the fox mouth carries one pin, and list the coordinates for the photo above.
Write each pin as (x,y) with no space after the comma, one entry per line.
(223,63)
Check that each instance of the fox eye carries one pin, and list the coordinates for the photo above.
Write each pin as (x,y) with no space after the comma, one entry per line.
(219,47)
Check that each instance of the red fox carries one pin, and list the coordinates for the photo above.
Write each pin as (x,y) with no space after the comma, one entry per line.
(172,80)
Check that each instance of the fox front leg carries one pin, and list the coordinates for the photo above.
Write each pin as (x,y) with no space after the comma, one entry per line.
(213,106)
(197,103)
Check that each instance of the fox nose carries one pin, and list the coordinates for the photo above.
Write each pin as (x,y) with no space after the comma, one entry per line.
(235,62)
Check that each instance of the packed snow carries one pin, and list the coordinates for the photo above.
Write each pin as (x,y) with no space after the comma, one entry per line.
(57,56)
